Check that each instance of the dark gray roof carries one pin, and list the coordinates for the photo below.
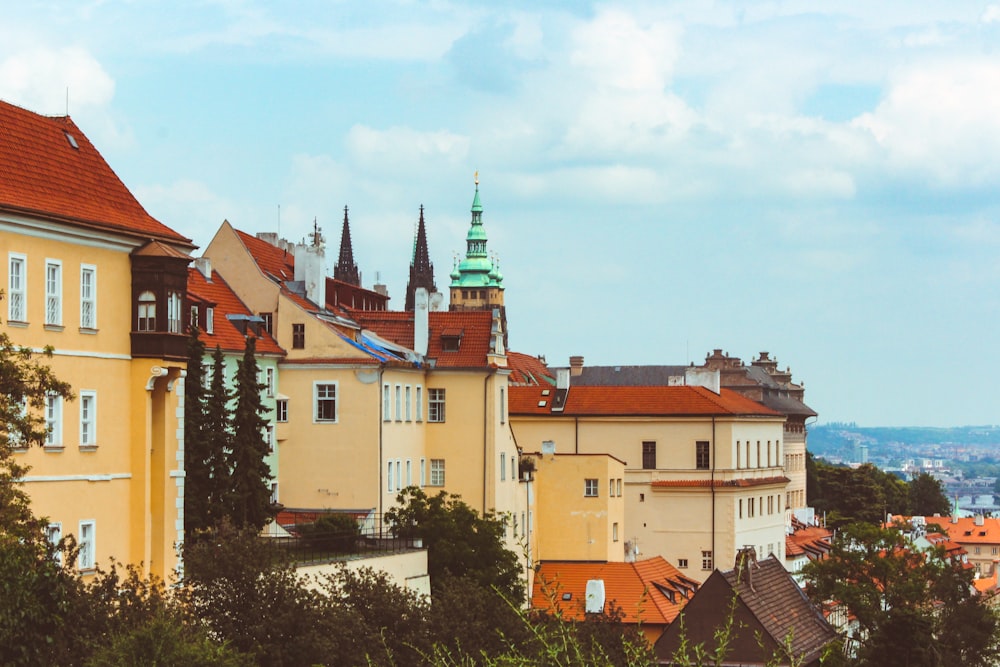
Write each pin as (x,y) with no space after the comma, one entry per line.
(628,376)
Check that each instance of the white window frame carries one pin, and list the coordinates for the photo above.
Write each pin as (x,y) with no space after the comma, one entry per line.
(54,420)
(614,531)
(399,474)
(409,472)
(386,405)
(316,399)
(388,477)
(53,292)
(88,296)
(53,535)
(707,562)
(87,558)
(209,319)
(590,487)
(437,477)
(436,401)
(420,403)
(269,437)
(269,381)
(423,471)
(174,307)
(408,398)
(503,467)
(88,418)
(398,408)
(274,493)
(17,287)
(281,410)
(146,311)
(503,405)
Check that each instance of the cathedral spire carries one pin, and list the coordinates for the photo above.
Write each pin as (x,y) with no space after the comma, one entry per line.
(346,270)
(421,268)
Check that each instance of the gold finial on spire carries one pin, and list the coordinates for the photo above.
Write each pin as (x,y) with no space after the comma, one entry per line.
(477,177)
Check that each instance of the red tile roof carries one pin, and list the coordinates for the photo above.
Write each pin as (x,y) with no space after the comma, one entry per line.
(225,301)
(528,370)
(637,588)
(43,174)
(272,260)
(474,326)
(964,530)
(813,541)
(680,401)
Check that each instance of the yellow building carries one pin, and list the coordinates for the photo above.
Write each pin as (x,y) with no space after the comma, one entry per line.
(702,466)
(90,273)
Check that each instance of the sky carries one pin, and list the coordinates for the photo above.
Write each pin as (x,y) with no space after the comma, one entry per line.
(659,179)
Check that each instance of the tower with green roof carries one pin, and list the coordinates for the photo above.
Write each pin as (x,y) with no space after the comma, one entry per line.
(476,281)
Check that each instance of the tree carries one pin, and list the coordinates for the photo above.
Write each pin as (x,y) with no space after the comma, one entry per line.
(460,542)
(913,608)
(927,497)
(249,493)
(218,438)
(197,471)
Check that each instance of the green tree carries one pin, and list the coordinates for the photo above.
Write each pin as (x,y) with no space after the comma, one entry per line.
(197,473)
(218,440)
(460,542)
(913,608)
(927,496)
(249,493)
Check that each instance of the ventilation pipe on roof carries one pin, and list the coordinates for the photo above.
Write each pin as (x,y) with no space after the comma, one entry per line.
(309,261)
(204,266)
(421,321)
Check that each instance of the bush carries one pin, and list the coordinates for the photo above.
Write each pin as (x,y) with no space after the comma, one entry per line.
(336,533)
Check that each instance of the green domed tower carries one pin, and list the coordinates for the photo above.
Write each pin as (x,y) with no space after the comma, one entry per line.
(476,281)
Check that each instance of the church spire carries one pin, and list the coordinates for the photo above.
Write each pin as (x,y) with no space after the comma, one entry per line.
(346,270)
(421,268)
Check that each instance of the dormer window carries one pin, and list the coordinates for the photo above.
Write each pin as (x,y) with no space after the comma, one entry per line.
(147,312)
(451,340)
(194,317)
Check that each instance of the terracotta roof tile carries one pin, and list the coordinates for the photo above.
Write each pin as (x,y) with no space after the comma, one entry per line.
(677,401)
(637,588)
(272,260)
(473,325)
(224,300)
(42,173)
(528,370)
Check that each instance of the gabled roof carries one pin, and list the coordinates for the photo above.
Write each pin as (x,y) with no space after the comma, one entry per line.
(643,590)
(49,169)
(528,370)
(679,401)
(273,261)
(965,530)
(779,604)
(810,541)
(225,302)
(472,327)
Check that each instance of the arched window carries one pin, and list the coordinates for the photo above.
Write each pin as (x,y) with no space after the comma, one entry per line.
(147,312)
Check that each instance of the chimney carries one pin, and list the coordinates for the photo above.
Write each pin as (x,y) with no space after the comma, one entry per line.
(701,377)
(204,265)
(309,262)
(595,596)
(562,378)
(421,321)
(576,365)
(746,562)
(980,520)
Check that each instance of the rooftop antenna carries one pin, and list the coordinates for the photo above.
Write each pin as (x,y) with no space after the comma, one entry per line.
(67,101)
(279,221)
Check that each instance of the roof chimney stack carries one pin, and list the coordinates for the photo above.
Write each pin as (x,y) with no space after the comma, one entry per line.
(576,365)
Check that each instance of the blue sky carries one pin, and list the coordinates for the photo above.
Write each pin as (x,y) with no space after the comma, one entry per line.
(818,180)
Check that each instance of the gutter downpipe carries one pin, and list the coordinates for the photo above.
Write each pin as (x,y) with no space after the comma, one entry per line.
(576,435)
(715,556)
(381,420)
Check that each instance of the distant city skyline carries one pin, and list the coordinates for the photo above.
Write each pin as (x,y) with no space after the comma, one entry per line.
(658,179)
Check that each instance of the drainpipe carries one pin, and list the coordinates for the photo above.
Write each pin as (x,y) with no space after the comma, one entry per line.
(715,556)
(576,435)
(381,418)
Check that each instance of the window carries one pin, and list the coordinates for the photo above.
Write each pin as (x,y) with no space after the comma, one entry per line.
(642,497)
(409,472)
(503,405)
(53,534)
(437,472)
(269,437)
(420,403)
(274,493)
(682,563)
(386,415)
(614,532)
(298,336)
(88,296)
(619,485)
(741,508)
(701,455)
(210,320)
(706,560)
(88,419)
(768,453)
(268,322)
(435,405)
(326,401)
(753,502)
(389,477)
(281,410)
(17,310)
(269,381)
(648,455)
(503,466)
(53,292)
(194,317)
(590,488)
(423,472)
(399,474)
(611,488)
(53,420)
(409,403)
(86,559)
(758,455)
(174,312)
(147,312)
(399,401)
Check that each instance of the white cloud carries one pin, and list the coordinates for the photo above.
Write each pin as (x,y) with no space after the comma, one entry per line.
(190,208)
(991,14)
(39,78)
(942,119)
(403,150)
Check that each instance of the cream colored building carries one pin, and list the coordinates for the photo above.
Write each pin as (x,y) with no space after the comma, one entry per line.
(90,273)
(703,467)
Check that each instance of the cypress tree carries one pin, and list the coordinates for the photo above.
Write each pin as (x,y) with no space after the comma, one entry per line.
(249,494)
(196,472)
(218,440)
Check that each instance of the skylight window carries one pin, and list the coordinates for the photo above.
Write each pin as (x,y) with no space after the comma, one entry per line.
(72,140)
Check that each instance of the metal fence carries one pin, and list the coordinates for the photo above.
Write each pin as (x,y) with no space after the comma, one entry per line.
(316,537)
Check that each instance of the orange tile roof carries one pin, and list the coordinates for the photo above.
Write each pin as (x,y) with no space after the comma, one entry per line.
(528,370)
(43,174)
(474,326)
(679,401)
(810,540)
(637,588)
(272,260)
(965,531)
(225,302)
